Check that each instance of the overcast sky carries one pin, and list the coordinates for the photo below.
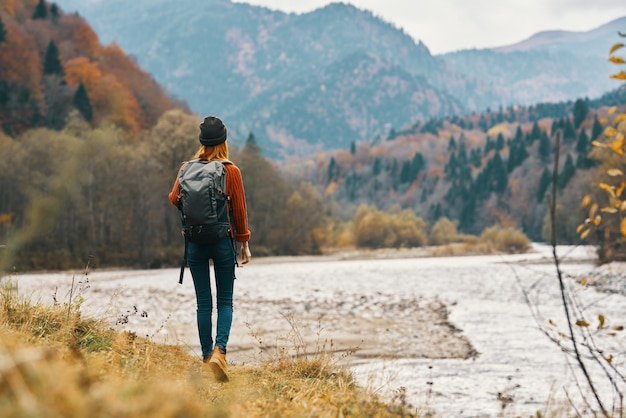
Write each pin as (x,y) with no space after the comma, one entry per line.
(450,25)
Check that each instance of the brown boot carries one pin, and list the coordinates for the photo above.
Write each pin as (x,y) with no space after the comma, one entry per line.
(217,364)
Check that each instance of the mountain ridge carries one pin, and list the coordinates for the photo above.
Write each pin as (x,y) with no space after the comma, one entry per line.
(228,58)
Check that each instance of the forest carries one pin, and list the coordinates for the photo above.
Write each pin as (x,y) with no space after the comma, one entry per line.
(90,146)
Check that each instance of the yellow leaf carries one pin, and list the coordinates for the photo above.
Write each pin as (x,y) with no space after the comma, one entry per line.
(622,227)
(582,323)
(594,208)
(601,319)
(604,121)
(583,282)
(609,358)
(597,220)
(586,201)
(622,207)
(615,172)
(610,131)
(617,146)
(619,191)
(619,76)
(617,60)
(585,233)
(619,118)
(615,47)
(580,228)
(612,110)
(608,210)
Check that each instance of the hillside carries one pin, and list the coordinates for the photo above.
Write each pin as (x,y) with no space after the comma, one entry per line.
(549,66)
(258,67)
(52,63)
(248,63)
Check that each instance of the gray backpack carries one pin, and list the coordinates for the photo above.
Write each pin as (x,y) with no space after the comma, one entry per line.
(204,203)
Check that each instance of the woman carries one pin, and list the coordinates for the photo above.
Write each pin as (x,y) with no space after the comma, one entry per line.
(213,135)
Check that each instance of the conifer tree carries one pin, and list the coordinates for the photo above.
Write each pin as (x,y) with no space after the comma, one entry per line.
(544,148)
(251,143)
(500,141)
(569,133)
(535,133)
(3,31)
(54,11)
(583,148)
(544,183)
(41,11)
(82,103)
(580,112)
(596,129)
(567,173)
(500,175)
(375,166)
(52,62)
(452,144)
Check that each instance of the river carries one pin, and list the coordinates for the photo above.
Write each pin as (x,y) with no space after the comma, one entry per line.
(455,336)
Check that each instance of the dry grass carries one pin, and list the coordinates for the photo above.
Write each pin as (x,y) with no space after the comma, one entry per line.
(55,362)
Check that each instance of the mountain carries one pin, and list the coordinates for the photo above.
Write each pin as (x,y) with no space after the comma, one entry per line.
(596,42)
(549,66)
(271,72)
(249,64)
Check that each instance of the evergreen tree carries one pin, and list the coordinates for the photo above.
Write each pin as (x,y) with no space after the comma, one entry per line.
(596,129)
(417,164)
(52,62)
(544,148)
(580,112)
(41,11)
(475,157)
(489,145)
(352,148)
(535,133)
(452,144)
(544,183)
(3,31)
(500,142)
(331,169)
(462,155)
(405,173)
(450,170)
(54,11)
(569,133)
(376,166)
(555,127)
(251,143)
(82,103)
(499,174)
(583,146)
(567,173)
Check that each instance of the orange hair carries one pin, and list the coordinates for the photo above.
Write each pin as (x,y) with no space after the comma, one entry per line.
(217,152)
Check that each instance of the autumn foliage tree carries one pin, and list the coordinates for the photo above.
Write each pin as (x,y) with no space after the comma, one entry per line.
(606,209)
(45,55)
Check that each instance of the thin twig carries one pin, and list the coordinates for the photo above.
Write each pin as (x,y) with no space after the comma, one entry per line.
(581,364)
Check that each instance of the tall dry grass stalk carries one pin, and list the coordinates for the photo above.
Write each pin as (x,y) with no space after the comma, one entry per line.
(56,362)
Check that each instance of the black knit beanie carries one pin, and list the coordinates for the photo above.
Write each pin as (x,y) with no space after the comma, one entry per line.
(212,131)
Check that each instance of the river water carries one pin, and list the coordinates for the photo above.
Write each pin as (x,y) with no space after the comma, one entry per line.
(517,371)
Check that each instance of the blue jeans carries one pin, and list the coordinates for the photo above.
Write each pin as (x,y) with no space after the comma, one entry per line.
(224,259)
